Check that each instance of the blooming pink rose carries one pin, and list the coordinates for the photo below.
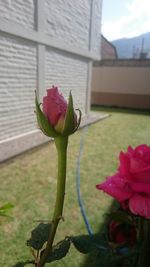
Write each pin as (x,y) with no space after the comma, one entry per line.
(54,106)
(130,185)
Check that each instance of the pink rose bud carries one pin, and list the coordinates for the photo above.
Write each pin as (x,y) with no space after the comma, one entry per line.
(57,117)
(54,106)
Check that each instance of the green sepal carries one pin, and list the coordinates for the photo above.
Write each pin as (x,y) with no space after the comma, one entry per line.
(79,120)
(43,123)
(70,119)
(39,236)
(58,251)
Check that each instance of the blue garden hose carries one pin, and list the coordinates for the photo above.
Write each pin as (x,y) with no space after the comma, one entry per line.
(80,201)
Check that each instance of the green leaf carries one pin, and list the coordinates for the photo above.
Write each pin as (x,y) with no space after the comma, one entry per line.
(43,123)
(5,209)
(86,243)
(70,120)
(59,251)
(120,216)
(39,236)
(82,243)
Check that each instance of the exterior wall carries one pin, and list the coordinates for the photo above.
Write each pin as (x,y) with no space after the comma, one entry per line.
(121,83)
(43,43)
(19,11)
(108,50)
(71,72)
(95,26)
(71,26)
(18,74)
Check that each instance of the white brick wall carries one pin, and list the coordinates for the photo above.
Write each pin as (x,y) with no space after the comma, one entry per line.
(18,79)
(69,22)
(69,73)
(95,37)
(19,11)
(44,42)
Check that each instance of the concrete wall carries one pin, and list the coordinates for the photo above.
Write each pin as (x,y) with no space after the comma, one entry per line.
(123,83)
(43,43)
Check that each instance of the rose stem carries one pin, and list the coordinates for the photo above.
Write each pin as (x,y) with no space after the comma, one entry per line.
(61,146)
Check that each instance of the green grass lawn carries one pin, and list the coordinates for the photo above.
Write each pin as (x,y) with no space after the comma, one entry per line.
(28,181)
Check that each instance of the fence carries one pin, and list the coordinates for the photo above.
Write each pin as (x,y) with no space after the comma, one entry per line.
(124,83)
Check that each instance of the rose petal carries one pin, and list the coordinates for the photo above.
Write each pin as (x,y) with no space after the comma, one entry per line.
(116,187)
(135,164)
(51,110)
(138,165)
(142,154)
(52,92)
(130,151)
(141,150)
(140,187)
(142,177)
(54,105)
(124,167)
(54,95)
(140,205)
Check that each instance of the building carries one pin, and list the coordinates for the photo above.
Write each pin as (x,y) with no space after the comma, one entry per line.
(43,43)
(108,50)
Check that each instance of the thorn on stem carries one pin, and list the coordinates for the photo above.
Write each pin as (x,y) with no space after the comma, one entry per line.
(61,218)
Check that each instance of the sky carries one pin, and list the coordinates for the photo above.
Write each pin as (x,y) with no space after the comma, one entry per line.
(125,18)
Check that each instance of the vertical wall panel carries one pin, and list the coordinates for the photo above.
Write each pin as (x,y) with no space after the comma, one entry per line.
(21,12)
(69,73)
(68,21)
(18,78)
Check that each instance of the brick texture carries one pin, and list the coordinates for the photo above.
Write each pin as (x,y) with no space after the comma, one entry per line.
(108,50)
(17,83)
(69,73)
(19,11)
(69,21)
